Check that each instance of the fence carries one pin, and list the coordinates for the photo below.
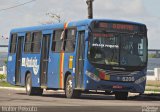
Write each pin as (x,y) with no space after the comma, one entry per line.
(153,74)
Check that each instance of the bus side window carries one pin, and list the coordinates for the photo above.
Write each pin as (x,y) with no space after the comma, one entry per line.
(28,42)
(36,42)
(70,40)
(56,41)
(13,43)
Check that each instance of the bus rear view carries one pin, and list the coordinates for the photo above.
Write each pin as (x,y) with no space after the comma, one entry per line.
(117,57)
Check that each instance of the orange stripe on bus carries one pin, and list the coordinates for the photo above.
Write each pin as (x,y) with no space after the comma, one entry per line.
(62,62)
(61,68)
(65,25)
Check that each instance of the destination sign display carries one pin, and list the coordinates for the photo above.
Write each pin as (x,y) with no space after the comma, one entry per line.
(118,26)
(102,35)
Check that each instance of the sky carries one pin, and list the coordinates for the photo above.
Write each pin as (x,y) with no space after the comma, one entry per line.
(34,13)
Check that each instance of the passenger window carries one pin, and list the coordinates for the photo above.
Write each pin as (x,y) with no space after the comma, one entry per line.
(36,42)
(33,43)
(13,43)
(28,42)
(70,40)
(57,41)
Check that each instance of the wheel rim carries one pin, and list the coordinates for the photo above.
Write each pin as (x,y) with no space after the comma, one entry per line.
(69,86)
(28,85)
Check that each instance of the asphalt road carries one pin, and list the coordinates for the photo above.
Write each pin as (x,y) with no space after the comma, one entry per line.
(89,102)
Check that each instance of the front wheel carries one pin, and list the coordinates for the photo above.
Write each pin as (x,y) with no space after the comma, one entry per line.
(69,91)
(121,95)
(32,90)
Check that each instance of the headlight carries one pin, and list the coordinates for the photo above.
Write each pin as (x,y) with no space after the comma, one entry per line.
(92,76)
(140,80)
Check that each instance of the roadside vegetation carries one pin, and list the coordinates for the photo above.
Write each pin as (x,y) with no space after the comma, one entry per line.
(153,86)
(2,77)
(3,82)
(153,83)
(154,90)
(152,56)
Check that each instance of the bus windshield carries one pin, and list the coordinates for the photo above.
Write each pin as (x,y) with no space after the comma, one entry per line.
(117,49)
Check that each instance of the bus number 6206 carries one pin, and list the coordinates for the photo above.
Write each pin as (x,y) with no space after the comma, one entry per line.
(128,79)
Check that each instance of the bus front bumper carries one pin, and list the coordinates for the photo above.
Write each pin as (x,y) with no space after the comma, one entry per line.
(116,86)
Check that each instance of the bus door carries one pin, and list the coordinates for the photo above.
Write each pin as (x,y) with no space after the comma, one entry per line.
(44,59)
(18,60)
(80,59)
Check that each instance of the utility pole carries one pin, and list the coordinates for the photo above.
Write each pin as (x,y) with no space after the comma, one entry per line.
(90,8)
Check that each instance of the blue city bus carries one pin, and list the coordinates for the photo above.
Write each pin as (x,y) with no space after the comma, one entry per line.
(83,56)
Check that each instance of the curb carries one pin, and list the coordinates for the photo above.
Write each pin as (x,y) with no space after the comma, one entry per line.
(23,89)
(149,92)
(13,88)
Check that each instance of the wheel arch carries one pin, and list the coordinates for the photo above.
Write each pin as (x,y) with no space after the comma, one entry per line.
(27,72)
(65,77)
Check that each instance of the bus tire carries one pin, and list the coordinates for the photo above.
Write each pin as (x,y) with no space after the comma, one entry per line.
(121,95)
(32,90)
(69,91)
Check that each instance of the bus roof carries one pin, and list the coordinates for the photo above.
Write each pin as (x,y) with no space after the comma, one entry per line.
(61,25)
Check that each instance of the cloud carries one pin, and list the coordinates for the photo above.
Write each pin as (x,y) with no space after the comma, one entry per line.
(34,13)
(118,8)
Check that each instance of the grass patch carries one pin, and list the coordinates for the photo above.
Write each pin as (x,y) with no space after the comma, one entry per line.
(154,90)
(153,83)
(6,84)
